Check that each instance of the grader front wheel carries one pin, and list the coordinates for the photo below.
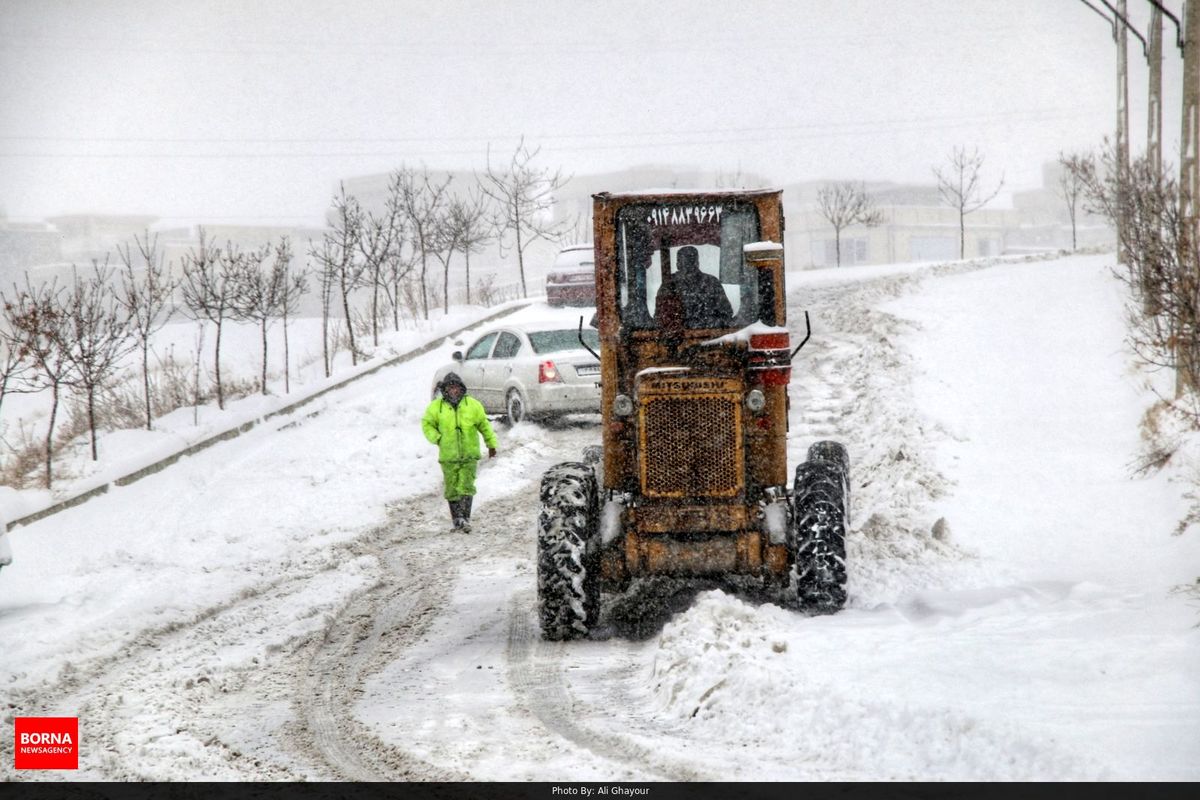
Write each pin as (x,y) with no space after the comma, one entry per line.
(817,538)
(568,552)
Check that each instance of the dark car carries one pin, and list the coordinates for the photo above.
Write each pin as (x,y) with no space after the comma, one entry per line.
(572,279)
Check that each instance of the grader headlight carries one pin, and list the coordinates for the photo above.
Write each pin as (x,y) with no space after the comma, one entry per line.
(622,405)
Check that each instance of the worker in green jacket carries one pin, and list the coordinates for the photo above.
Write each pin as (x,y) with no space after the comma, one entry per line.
(454,422)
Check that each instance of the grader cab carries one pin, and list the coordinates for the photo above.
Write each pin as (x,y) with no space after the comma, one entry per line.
(695,360)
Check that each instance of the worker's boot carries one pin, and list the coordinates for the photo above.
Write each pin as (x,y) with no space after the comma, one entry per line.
(455,512)
(464,514)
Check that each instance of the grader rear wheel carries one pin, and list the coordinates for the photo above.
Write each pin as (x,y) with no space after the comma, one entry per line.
(568,552)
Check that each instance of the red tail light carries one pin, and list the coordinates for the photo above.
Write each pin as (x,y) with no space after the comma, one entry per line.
(548,373)
(769,341)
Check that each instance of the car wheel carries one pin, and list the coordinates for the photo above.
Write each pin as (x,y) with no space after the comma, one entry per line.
(514,407)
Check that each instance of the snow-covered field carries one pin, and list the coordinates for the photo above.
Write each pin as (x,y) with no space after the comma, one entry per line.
(181,343)
(290,605)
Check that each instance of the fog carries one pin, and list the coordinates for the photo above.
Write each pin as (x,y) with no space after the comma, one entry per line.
(208,112)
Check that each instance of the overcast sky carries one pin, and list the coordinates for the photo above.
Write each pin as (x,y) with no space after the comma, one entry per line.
(205,111)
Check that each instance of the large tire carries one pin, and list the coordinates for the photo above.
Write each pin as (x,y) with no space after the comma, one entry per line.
(514,407)
(817,535)
(568,552)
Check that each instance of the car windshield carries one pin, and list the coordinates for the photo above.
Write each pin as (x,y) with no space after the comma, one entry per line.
(685,260)
(551,341)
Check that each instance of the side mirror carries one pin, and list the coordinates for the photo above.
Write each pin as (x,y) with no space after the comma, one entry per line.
(458,356)
(766,259)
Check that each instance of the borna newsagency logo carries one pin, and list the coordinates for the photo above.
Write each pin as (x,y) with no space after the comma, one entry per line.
(46,743)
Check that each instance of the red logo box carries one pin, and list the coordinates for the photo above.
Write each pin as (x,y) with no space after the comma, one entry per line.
(47,743)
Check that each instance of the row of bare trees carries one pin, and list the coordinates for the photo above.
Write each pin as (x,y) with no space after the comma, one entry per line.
(1160,258)
(219,285)
(391,253)
(76,338)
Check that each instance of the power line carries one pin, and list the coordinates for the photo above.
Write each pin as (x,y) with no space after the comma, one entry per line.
(1021,115)
(561,143)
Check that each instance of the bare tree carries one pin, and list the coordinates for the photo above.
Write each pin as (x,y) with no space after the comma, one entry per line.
(255,298)
(40,325)
(524,197)
(960,186)
(446,240)
(340,266)
(421,200)
(145,294)
(14,365)
(1070,186)
(397,270)
(581,230)
(1161,267)
(325,256)
(471,220)
(198,345)
(209,285)
(844,204)
(99,336)
(381,244)
(348,228)
(293,286)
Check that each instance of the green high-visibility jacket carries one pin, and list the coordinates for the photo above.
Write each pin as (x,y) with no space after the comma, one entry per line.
(456,429)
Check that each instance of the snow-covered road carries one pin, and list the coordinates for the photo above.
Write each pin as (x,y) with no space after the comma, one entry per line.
(290,604)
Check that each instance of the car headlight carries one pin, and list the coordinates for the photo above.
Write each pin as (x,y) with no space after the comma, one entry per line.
(756,401)
(622,405)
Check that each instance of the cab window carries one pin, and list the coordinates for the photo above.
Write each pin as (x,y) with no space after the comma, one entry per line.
(481,348)
(692,254)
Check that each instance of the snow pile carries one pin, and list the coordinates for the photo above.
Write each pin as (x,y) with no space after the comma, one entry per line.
(853,383)
(742,673)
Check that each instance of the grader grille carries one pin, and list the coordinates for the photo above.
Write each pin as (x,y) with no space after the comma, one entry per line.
(691,446)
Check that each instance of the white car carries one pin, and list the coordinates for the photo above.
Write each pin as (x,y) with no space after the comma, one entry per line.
(530,370)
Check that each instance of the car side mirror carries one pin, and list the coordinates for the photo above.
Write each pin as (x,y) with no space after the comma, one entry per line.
(458,356)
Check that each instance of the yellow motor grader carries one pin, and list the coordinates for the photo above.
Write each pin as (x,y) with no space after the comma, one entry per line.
(695,361)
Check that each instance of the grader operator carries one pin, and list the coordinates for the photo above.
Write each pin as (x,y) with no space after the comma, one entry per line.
(695,361)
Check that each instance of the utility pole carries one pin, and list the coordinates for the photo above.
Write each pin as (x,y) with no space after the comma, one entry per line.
(1189,141)
(1154,122)
(1188,38)
(1120,33)
(1120,30)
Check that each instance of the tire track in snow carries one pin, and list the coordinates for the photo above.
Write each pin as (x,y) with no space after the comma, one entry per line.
(369,633)
(537,671)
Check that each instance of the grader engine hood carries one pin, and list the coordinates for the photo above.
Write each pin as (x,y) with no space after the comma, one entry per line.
(689,436)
